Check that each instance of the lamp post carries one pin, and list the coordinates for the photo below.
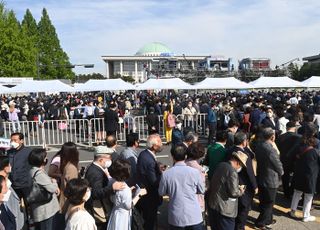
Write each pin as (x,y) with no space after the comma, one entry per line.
(66,66)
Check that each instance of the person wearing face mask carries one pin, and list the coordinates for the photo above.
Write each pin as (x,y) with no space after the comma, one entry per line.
(18,158)
(269,172)
(189,114)
(148,176)
(177,134)
(11,216)
(77,218)
(271,121)
(97,174)
(224,191)
(43,213)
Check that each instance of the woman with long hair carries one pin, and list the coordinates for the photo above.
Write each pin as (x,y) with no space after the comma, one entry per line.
(68,169)
(306,171)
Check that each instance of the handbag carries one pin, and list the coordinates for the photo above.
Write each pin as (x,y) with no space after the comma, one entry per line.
(62,125)
(38,194)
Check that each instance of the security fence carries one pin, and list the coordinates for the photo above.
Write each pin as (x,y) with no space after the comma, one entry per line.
(86,132)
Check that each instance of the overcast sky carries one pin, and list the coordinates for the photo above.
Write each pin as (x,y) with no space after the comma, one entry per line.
(278,29)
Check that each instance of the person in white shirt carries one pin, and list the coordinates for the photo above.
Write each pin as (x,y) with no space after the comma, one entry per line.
(77,218)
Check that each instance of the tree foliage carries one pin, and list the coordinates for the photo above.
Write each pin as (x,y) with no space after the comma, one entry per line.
(81,78)
(28,48)
(125,78)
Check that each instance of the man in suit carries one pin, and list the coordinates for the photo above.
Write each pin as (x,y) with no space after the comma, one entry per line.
(269,171)
(289,144)
(98,176)
(111,120)
(246,177)
(148,176)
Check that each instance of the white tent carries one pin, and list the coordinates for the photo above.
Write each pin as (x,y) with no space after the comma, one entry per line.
(165,83)
(312,82)
(105,85)
(3,89)
(48,86)
(222,83)
(275,82)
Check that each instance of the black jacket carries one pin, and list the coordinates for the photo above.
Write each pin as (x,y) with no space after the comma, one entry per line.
(98,181)
(148,176)
(20,168)
(152,121)
(111,120)
(306,170)
(288,144)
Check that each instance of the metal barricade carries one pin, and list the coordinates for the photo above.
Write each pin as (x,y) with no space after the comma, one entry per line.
(32,131)
(58,132)
(88,132)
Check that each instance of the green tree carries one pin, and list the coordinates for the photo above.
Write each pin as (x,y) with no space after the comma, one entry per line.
(86,77)
(53,61)
(29,31)
(12,54)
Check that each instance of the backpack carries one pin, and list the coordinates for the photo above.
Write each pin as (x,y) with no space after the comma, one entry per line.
(171,123)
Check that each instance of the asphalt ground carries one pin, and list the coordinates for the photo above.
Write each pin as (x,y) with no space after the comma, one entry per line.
(284,222)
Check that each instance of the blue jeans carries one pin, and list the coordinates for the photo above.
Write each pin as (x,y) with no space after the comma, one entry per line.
(190,227)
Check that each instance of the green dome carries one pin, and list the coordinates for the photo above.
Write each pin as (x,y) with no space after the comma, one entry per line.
(153,49)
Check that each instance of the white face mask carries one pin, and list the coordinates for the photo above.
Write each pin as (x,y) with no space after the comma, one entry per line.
(107,164)
(179,126)
(239,169)
(87,196)
(14,144)
(6,196)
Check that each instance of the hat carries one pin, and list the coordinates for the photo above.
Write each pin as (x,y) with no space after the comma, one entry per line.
(102,150)
(242,157)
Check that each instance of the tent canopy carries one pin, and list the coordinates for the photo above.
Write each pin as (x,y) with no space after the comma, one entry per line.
(312,82)
(105,85)
(41,86)
(222,83)
(275,82)
(169,83)
(3,89)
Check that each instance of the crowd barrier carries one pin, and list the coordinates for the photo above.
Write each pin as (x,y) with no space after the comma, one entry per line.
(86,132)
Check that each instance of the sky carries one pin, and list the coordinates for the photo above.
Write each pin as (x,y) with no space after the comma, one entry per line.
(277,29)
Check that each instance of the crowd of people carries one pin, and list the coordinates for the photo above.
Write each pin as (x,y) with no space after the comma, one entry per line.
(256,143)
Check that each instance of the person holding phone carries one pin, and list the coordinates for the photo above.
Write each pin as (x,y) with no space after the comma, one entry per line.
(120,217)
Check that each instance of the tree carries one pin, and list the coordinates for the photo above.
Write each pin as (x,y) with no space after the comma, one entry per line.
(86,77)
(12,53)
(30,33)
(125,78)
(53,61)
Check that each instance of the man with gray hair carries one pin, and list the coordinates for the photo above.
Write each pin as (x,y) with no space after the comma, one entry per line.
(269,172)
(148,176)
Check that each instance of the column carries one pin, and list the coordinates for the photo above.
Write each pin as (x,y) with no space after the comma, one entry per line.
(136,71)
(192,64)
(178,65)
(121,68)
(107,69)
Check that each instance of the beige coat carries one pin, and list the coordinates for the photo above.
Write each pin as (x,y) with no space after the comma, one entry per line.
(69,172)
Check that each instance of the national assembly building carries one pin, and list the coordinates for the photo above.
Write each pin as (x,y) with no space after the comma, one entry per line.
(156,60)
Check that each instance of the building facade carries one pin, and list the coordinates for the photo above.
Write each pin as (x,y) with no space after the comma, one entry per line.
(157,60)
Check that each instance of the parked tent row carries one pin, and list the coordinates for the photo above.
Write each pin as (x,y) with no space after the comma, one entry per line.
(227,83)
